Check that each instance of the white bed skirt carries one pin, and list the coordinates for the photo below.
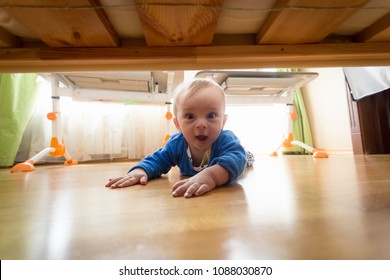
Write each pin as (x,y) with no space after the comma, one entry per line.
(365,81)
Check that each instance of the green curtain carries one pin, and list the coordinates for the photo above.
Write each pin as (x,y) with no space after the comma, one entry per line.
(301,126)
(18,94)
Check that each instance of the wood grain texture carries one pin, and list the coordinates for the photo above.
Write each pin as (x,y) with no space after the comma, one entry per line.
(196,58)
(7,40)
(45,31)
(310,21)
(377,32)
(70,27)
(178,22)
(289,207)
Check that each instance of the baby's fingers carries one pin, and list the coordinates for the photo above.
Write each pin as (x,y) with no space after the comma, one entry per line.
(202,190)
(178,185)
(197,190)
(125,182)
(112,181)
(190,189)
(143,180)
(180,188)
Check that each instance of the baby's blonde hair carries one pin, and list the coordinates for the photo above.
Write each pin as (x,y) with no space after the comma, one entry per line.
(188,89)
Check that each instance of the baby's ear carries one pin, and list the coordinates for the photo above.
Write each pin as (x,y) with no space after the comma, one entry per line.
(225,117)
(175,121)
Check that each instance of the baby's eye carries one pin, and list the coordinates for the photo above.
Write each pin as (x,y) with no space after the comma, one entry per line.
(211,115)
(189,116)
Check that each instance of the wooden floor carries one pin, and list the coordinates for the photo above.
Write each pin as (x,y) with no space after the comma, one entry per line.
(288,207)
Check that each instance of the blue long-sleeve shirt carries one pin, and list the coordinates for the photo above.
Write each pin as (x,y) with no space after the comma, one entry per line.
(226,152)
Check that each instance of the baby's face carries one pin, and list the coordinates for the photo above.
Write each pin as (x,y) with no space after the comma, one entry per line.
(201,117)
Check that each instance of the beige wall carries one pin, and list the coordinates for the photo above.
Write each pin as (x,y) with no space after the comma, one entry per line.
(327,107)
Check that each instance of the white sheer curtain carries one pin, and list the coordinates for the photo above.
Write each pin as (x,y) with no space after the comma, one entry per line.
(94,130)
(260,128)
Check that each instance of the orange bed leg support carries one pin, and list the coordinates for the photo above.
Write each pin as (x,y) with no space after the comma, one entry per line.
(57,147)
(289,141)
(28,165)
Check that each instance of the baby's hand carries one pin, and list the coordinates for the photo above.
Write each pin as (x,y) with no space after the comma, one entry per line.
(194,186)
(137,176)
(201,183)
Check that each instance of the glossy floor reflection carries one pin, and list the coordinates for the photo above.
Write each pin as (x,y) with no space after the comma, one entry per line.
(289,207)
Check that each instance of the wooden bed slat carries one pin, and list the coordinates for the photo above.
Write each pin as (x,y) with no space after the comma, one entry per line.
(178,23)
(287,25)
(66,27)
(377,32)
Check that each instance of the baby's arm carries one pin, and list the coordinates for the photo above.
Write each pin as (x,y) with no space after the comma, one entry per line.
(201,183)
(136,176)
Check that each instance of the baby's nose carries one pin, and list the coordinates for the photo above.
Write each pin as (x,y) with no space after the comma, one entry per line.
(201,123)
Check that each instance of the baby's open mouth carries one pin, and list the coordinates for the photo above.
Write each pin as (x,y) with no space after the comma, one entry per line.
(201,137)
